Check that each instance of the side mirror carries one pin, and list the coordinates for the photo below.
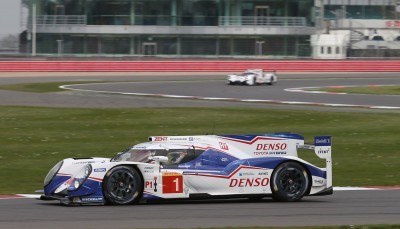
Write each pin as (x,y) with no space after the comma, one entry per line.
(159,159)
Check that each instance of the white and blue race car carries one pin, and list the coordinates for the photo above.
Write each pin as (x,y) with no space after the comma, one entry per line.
(253,77)
(204,166)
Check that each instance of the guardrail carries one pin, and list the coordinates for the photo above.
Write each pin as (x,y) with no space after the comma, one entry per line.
(61,20)
(263,21)
(167,20)
(199,66)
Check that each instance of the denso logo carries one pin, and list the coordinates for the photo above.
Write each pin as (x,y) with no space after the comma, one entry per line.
(275,146)
(253,182)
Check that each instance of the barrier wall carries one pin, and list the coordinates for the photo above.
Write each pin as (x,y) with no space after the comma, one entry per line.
(199,66)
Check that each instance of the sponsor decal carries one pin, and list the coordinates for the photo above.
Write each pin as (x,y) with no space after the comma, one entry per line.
(271,149)
(190,139)
(323,151)
(177,139)
(263,173)
(246,174)
(249,182)
(323,141)
(160,139)
(151,184)
(92,199)
(82,162)
(166,174)
(99,170)
(155,184)
(148,169)
(223,146)
(224,159)
(318,182)
(272,146)
(269,153)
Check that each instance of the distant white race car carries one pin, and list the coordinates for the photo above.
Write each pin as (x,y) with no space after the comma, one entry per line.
(253,77)
(198,167)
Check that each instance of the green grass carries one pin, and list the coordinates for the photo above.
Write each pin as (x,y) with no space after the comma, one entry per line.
(366,145)
(41,87)
(382,90)
(54,86)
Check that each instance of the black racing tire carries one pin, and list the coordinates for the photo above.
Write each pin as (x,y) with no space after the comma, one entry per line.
(272,81)
(122,185)
(290,182)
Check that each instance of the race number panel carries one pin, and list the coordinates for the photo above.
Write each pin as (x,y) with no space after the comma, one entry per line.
(172,183)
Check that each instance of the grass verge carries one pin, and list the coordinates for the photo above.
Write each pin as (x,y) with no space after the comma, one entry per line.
(365,152)
(372,89)
(41,87)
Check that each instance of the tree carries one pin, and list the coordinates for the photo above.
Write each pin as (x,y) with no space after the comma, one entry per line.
(9,42)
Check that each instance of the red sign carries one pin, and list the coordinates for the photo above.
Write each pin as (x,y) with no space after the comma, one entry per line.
(393,24)
(172,183)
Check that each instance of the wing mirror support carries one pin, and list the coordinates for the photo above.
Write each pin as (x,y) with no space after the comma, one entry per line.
(159,160)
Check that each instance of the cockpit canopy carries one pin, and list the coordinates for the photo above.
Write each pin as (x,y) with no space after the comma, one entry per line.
(175,156)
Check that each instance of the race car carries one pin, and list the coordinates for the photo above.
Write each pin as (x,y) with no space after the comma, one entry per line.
(253,77)
(195,167)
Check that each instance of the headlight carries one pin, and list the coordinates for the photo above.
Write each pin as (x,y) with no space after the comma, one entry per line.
(77,181)
(52,173)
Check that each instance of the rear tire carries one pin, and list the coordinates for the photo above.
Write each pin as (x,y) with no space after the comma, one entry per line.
(122,185)
(272,82)
(290,182)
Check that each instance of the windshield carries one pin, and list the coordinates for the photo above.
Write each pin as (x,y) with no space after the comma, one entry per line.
(174,156)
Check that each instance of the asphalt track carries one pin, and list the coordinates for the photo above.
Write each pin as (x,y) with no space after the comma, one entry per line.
(343,208)
(200,85)
(218,90)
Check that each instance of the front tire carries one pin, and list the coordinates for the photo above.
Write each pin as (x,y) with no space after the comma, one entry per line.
(122,185)
(290,182)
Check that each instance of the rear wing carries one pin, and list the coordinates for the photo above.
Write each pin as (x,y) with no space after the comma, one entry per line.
(323,149)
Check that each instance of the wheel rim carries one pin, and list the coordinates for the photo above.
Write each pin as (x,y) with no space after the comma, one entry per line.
(122,185)
(291,181)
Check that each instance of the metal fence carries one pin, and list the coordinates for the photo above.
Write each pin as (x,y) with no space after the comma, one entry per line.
(61,20)
(263,21)
(171,20)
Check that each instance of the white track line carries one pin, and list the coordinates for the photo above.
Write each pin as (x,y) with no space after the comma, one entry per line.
(69,87)
(307,89)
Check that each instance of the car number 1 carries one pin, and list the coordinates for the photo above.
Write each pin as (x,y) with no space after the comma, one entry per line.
(172,183)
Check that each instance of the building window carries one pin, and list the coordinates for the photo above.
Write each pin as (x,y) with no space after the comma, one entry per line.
(322,50)
(329,50)
(337,50)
